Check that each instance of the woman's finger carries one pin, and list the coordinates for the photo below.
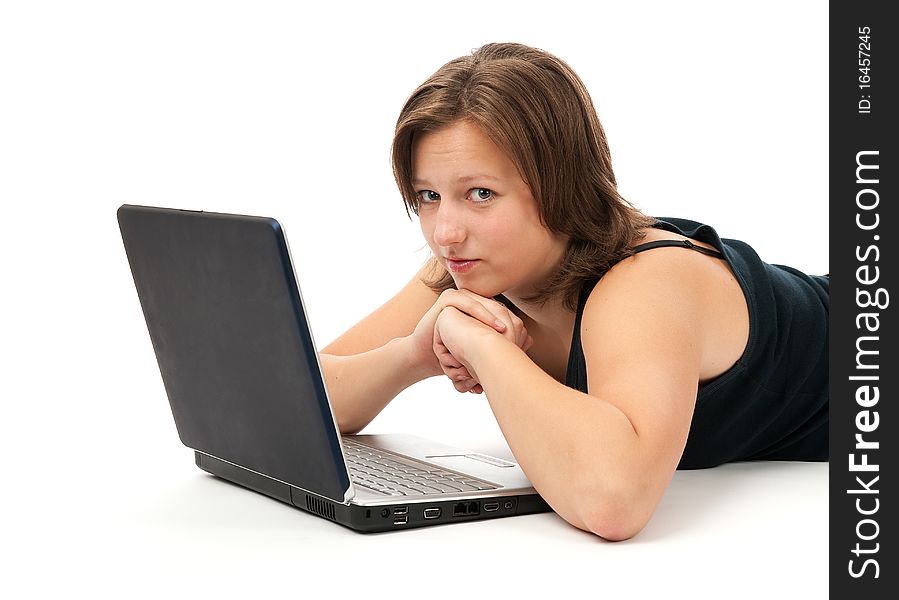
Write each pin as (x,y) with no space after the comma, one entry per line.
(448,361)
(460,374)
(465,386)
(466,302)
(528,343)
(513,329)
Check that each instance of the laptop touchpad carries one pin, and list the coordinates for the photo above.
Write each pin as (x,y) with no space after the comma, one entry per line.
(460,461)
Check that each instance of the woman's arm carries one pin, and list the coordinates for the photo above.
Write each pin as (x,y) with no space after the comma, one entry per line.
(361,385)
(602,460)
(372,362)
(392,348)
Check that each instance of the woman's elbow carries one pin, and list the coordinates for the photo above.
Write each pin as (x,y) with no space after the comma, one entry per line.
(615,528)
(614,515)
(346,430)
(348,426)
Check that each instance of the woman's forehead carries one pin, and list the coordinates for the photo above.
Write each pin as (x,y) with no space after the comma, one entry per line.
(460,149)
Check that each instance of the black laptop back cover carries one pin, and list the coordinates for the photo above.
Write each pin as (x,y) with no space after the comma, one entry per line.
(230,334)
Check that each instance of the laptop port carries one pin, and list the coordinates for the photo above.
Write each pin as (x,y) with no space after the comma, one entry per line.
(401,510)
(466,509)
(491,506)
(401,520)
(432,513)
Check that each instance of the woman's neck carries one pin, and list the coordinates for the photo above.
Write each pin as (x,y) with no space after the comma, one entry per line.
(551,314)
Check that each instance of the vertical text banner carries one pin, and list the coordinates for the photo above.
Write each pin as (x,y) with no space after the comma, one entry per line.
(864,366)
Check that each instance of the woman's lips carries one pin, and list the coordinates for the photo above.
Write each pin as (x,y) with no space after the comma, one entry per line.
(463,265)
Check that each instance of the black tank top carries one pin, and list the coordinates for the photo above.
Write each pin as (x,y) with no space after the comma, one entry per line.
(773,403)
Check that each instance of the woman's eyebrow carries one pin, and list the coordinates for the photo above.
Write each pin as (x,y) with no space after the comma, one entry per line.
(476,177)
(463,179)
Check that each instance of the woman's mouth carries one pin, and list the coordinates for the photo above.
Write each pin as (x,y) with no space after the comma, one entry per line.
(461,265)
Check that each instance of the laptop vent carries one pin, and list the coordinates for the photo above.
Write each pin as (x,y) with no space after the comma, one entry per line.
(320,507)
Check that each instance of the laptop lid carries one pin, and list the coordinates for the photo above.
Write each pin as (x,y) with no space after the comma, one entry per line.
(233,344)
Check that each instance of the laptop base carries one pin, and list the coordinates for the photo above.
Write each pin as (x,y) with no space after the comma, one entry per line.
(397,515)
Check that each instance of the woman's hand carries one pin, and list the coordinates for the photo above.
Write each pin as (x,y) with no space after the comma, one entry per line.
(489,312)
(454,330)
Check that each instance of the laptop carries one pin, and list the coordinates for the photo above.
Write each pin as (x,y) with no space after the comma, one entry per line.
(242,375)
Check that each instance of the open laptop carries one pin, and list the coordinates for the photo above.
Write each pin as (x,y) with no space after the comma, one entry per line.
(242,375)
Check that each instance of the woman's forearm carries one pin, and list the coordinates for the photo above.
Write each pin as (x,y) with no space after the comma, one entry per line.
(361,385)
(581,453)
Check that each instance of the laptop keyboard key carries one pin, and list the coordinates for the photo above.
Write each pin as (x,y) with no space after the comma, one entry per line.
(395,475)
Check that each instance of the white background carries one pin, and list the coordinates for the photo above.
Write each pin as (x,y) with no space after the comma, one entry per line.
(714,111)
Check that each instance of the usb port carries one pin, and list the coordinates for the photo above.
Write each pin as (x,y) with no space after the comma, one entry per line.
(401,520)
(401,510)
(432,513)
(491,506)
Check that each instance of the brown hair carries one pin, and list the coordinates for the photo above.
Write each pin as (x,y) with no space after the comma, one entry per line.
(536,109)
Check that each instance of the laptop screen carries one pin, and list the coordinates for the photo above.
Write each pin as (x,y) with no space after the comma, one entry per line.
(235,351)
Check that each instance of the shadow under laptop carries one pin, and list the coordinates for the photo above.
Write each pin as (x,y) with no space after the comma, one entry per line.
(206,504)
(750,497)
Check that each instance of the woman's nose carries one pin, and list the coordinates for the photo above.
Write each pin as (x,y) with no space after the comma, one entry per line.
(449,228)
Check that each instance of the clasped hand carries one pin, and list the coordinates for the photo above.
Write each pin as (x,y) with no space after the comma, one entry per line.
(455,321)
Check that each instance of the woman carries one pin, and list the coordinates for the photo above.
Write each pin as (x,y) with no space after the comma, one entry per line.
(613,347)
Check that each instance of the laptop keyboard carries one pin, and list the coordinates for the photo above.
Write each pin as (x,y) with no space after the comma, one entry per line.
(396,475)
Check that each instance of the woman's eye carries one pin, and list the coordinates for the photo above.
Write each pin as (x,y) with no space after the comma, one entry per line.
(428,196)
(481,194)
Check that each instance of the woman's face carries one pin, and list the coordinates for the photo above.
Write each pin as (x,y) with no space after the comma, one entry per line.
(478,215)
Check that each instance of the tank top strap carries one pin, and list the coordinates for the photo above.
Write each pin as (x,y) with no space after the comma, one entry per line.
(576,372)
(677,244)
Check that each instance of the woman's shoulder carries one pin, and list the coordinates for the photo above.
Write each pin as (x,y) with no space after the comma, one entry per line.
(659,270)
(672,290)
(659,275)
